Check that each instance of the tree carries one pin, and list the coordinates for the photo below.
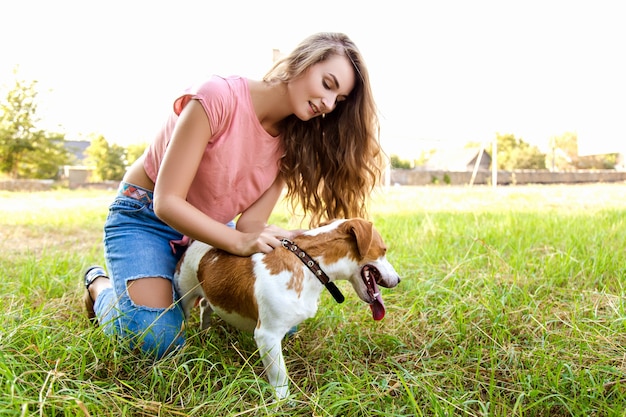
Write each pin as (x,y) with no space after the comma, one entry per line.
(397,163)
(45,159)
(516,154)
(133,152)
(563,152)
(25,150)
(109,160)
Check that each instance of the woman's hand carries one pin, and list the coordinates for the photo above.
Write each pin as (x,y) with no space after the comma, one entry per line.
(266,240)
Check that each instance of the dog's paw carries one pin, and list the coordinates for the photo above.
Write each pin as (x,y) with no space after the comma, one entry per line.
(285,403)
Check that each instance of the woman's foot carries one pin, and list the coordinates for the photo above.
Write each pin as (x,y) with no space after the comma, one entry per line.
(93,275)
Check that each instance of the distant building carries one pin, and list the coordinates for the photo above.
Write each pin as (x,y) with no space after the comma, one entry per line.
(600,161)
(77,174)
(78,149)
(459,160)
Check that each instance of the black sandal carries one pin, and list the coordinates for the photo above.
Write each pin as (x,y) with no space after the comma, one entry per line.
(91,274)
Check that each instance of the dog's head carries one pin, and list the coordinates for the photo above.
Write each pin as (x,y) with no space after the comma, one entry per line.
(362,260)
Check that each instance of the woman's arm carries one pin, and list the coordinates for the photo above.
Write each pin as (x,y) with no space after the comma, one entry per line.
(178,169)
(254,219)
(256,216)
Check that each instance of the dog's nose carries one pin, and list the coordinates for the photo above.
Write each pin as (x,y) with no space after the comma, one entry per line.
(394,281)
(389,282)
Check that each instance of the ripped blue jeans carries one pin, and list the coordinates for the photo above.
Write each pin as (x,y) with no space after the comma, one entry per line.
(138,245)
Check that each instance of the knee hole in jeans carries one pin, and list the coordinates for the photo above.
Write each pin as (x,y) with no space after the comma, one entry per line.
(153,292)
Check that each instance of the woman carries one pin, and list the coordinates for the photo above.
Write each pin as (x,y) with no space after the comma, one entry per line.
(227,151)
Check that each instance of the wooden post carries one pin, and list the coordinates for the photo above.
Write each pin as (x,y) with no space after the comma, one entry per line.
(494,163)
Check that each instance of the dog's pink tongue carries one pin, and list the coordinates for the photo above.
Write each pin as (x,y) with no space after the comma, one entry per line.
(378,308)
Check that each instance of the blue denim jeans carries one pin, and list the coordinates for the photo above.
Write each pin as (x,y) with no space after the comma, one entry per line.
(136,246)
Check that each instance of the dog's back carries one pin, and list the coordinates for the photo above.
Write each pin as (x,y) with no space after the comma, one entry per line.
(231,285)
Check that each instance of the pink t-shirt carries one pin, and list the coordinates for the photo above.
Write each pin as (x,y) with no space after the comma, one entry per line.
(241,161)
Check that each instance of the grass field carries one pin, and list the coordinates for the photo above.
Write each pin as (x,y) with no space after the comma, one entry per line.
(512,303)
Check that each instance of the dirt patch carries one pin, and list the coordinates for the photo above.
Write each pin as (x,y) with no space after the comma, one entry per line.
(21,240)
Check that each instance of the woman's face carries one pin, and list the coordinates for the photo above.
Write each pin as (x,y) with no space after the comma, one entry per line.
(321,87)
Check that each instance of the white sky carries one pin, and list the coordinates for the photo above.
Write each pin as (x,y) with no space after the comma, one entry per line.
(443,72)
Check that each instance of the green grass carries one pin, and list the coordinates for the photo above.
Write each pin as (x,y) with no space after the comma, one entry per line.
(512,303)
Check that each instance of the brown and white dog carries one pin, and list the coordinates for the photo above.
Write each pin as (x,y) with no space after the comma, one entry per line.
(269,294)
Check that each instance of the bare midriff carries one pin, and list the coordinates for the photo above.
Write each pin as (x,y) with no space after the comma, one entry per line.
(136,175)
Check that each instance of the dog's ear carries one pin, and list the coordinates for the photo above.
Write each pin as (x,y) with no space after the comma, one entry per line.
(363,233)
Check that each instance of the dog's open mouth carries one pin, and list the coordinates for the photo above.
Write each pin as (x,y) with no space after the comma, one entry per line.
(369,275)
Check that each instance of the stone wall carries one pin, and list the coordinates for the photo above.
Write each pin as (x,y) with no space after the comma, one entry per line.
(397,177)
(26,185)
(422,177)
(47,185)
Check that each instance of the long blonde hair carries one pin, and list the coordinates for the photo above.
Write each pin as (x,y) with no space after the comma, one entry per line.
(331,164)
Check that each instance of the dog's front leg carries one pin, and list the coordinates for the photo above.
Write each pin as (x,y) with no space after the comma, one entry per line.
(205,313)
(270,349)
